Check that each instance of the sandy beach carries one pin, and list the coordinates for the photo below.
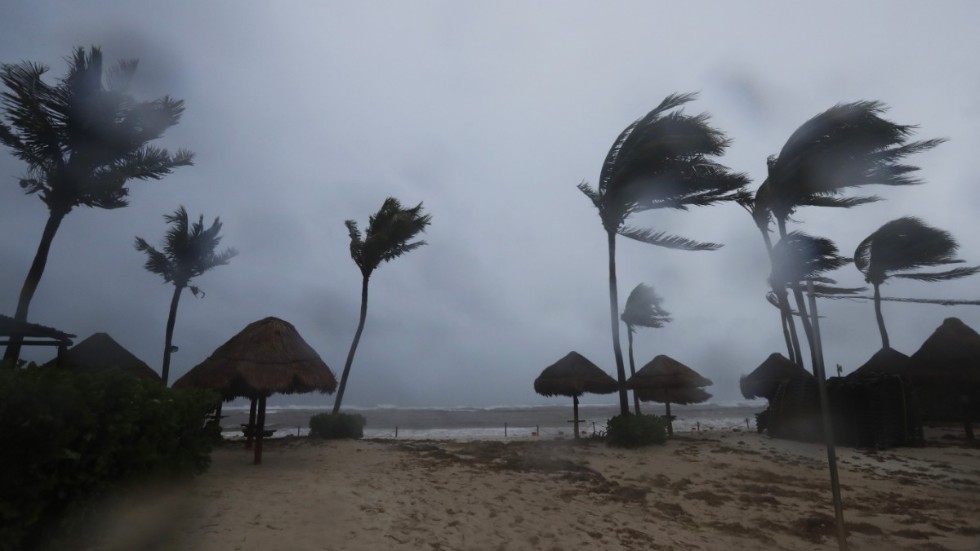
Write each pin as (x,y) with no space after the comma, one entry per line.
(714,490)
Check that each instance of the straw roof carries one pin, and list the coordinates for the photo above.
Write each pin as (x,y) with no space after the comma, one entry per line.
(574,375)
(950,355)
(666,372)
(886,361)
(682,396)
(267,357)
(100,352)
(765,379)
(9,327)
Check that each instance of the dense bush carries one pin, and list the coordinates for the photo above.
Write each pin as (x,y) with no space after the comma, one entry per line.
(340,425)
(69,438)
(633,431)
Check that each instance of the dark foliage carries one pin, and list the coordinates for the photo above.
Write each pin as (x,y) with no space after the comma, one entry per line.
(634,431)
(70,438)
(337,425)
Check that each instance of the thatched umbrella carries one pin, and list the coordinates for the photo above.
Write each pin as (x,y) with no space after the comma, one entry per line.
(99,353)
(267,357)
(573,376)
(666,380)
(946,372)
(765,379)
(886,361)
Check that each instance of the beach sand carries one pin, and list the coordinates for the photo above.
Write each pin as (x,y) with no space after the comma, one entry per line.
(703,490)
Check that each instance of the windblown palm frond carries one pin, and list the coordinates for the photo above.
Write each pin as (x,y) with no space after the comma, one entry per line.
(189,249)
(662,239)
(644,308)
(388,236)
(908,244)
(799,257)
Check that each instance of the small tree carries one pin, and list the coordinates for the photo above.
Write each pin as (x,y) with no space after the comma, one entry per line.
(644,308)
(188,251)
(389,235)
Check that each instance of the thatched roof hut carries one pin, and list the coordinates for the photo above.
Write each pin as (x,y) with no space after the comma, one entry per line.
(574,375)
(267,357)
(886,361)
(765,379)
(667,381)
(33,334)
(946,372)
(100,352)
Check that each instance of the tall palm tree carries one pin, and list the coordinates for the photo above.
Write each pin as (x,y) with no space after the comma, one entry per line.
(83,139)
(846,146)
(644,308)
(188,251)
(905,245)
(663,160)
(389,235)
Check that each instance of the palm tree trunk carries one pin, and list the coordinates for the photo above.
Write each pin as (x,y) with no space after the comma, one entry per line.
(785,313)
(12,353)
(629,338)
(802,309)
(353,346)
(881,319)
(168,339)
(624,407)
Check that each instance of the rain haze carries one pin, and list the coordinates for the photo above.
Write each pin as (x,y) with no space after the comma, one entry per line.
(303,115)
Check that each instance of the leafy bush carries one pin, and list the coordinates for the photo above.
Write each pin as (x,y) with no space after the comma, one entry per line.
(340,425)
(634,431)
(68,438)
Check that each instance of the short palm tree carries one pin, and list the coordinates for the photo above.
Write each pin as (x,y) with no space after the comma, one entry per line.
(188,251)
(389,235)
(644,308)
(663,160)
(905,245)
(83,139)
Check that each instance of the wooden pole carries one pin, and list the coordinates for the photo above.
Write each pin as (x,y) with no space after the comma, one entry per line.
(828,434)
(250,428)
(575,417)
(259,431)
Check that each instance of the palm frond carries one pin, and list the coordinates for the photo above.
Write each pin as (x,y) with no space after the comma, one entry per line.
(907,243)
(955,273)
(662,239)
(644,308)
(799,257)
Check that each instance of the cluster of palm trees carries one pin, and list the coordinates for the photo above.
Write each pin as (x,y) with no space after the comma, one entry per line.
(667,159)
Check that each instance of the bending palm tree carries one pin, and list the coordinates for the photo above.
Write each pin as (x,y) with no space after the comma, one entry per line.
(906,244)
(83,139)
(849,145)
(388,236)
(662,160)
(188,251)
(643,309)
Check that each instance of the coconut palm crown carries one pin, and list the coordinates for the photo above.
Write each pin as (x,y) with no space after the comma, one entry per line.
(900,248)
(644,308)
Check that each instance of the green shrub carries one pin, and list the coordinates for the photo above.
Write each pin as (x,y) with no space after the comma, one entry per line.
(340,425)
(634,431)
(69,438)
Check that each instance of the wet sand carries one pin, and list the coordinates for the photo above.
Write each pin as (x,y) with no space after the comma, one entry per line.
(709,490)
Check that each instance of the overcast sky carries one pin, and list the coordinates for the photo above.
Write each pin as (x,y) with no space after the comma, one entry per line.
(304,114)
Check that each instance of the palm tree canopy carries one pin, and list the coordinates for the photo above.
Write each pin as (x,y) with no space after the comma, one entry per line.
(799,257)
(663,160)
(188,251)
(84,137)
(644,308)
(848,145)
(389,235)
(908,244)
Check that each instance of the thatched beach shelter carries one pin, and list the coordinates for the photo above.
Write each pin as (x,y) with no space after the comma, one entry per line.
(33,334)
(946,372)
(886,361)
(573,376)
(667,380)
(267,357)
(765,379)
(100,352)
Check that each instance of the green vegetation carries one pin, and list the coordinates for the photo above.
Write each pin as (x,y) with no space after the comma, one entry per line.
(634,431)
(337,425)
(68,439)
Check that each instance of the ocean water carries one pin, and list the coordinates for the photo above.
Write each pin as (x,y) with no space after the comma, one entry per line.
(510,422)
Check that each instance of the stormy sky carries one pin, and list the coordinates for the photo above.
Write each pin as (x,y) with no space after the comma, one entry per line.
(305,114)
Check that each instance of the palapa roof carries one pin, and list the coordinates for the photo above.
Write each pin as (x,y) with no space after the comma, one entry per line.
(765,379)
(682,396)
(886,361)
(953,349)
(9,327)
(267,357)
(666,372)
(574,375)
(100,352)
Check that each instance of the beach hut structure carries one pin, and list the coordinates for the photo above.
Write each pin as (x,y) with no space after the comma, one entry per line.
(886,361)
(574,375)
(267,357)
(764,381)
(99,353)
(33,335)
(946,372)
(666,380)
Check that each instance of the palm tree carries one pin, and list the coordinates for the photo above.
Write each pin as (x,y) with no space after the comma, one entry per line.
(906,244)
(188,251)
(389,235)
(660,161)
(644,308)
(83,139)
(846,146)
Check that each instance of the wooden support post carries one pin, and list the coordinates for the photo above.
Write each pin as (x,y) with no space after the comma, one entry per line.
(575,406)
(259,431)
(250,429)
